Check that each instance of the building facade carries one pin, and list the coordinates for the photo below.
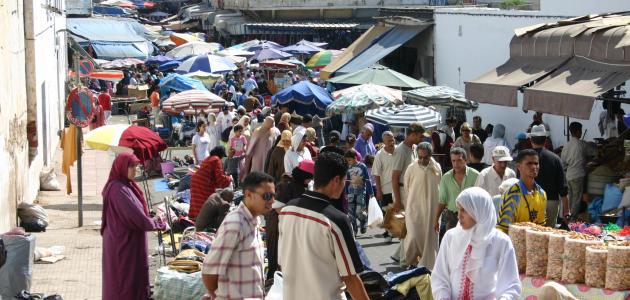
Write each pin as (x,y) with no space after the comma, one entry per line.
(33,60)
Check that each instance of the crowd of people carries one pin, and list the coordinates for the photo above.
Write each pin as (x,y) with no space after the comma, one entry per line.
(461,186)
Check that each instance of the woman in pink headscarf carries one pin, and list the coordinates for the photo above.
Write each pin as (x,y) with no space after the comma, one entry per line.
(125,221)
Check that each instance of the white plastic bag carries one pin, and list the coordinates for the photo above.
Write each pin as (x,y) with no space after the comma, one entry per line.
(375,214)
(275,292)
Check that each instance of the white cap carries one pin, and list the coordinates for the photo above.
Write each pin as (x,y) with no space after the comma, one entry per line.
(538,130)
(501,153)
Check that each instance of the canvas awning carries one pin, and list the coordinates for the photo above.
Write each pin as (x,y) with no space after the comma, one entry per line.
(383,46)
(112,51)
(532,57)
(360,44)
(123,37)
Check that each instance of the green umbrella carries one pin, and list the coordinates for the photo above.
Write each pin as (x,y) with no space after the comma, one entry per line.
(363,97)
(381,75)
(443,96)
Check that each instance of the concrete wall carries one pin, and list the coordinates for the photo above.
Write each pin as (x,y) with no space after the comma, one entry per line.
(469,43)
(45,78)
(583,7)
(13,145)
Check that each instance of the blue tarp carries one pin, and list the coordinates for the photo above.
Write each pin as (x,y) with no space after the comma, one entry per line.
(111,51)
(109,10)
(116,37)
(305,98)
(383,46)
(179,83)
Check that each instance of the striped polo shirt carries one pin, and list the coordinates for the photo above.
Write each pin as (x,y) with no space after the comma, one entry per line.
(316,249)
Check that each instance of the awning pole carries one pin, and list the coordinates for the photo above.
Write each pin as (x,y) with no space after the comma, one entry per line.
(77,62)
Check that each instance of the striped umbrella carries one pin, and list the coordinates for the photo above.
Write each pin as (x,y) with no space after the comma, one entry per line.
(207,63)
(121,63)
(322,59)
(403,115)
(144,142)
(192,100)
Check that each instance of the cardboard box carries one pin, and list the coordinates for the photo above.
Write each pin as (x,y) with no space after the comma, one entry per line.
(138,91)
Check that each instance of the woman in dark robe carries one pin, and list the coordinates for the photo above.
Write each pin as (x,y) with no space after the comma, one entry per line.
(125,221)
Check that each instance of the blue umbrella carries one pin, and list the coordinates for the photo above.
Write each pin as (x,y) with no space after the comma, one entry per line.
(207,63)
(169,65)
(179,83)
(262,45)
(304,97)
(302,47)
(158,59)
(270,53)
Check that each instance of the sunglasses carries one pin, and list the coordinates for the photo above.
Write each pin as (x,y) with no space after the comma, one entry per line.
(267,196)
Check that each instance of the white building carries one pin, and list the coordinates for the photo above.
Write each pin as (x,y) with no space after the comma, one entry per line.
(471,41)
(33,60)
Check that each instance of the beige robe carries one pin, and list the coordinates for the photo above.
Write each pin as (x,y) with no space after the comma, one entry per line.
(421,184)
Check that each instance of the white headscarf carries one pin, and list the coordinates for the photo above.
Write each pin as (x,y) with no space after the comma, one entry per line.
(298,135)
(478,203)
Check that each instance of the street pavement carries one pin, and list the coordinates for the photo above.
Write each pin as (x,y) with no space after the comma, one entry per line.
(78,276)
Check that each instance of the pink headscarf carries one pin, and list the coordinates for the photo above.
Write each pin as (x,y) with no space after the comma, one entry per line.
(119,173)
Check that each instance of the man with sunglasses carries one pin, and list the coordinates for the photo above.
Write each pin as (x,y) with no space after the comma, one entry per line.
(317,250)
(233,269)
(491,177)
(422,180)
(525,201)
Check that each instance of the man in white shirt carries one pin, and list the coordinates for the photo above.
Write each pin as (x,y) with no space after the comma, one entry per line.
(491,177)
(382,171)
(224,119)
(574,156)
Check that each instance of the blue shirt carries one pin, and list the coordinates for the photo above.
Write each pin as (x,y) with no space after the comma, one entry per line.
(358,180)
(365,147)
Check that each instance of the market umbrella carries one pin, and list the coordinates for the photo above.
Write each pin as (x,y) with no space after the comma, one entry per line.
(121,63)
(182,38)
(439,96)
(277,64)
(322,59)
(168,66)
(144,142)
(235,52)
(403,115)
(179,83)
(192,99)
(158,59)
(207,63)
(295,62)
(364,97)
(194,48)
(316,44)
(269,54)
(245,45)
(302,47)
(236,59)
(259,45)
(304,98)
(379,75)
(208,79)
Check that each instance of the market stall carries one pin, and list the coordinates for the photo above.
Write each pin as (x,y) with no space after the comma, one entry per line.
(590,261)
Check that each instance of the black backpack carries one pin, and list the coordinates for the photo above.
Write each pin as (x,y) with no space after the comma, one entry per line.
(374,283)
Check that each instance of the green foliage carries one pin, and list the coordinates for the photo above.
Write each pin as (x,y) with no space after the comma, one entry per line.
(510,4)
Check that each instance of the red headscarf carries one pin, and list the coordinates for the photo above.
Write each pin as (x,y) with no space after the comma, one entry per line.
(119,173)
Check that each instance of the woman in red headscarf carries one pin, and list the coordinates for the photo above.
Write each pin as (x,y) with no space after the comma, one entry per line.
(125,221)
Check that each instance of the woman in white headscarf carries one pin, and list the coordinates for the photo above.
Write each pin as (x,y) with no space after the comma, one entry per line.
(298,151)
(475,260)
(497,139)
(213,131)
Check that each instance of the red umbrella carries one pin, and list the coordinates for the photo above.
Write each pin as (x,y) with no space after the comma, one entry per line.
(144,142)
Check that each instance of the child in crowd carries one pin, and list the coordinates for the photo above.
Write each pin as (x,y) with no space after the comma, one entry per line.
(232,166)
(238,142)
(368,160)
(358,188)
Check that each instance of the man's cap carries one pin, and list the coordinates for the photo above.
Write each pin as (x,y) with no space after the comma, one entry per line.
(501,153)
(521,136)
(538,130)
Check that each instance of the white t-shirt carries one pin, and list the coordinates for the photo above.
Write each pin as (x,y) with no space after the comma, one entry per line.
(202,144)
(490,181)
(383,166)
